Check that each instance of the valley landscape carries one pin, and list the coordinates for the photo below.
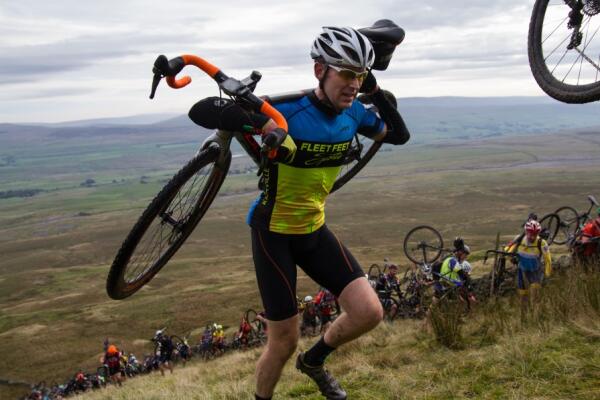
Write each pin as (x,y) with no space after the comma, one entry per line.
(69,195)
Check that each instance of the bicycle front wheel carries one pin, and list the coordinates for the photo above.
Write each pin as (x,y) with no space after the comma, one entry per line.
(166,223)
(564,48)
(550,224)
(569,222)
(423,244)
(374,272)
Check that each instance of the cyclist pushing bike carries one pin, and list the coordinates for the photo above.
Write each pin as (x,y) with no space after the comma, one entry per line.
(454,272)
(386,285)
(287,220)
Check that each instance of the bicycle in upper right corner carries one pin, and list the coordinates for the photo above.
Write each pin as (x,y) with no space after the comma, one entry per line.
(563,48)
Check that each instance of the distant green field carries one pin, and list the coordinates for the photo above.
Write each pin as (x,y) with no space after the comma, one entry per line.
(57,246)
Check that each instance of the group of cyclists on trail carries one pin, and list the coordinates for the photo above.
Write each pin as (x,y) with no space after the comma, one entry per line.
(450,277)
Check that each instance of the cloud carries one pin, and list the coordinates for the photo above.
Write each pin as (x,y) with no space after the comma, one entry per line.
(66,48)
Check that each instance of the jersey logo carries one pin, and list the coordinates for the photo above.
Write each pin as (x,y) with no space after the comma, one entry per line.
(323,158)
(315,154)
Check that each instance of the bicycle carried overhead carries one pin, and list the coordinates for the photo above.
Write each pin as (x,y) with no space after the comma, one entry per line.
(564,49)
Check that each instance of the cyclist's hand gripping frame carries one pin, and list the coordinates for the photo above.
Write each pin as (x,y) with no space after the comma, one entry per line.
(240,91)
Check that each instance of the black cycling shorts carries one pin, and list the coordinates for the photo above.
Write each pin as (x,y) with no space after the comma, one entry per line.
(320,255)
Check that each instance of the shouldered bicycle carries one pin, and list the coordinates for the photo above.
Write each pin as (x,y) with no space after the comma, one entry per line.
(178,208)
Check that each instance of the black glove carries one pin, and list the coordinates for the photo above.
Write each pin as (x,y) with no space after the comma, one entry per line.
(391,98)
(369,84)
(218,113)
(274,138)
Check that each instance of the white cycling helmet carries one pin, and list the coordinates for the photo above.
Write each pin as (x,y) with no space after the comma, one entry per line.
(343,47)
(308,299)
(466,266)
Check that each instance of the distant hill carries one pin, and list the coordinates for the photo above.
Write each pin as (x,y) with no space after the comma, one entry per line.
(143,119)
(467,118)
(428,118)
(133,146)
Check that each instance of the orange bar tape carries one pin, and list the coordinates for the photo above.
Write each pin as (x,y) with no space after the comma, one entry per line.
(267,109)
(200,63)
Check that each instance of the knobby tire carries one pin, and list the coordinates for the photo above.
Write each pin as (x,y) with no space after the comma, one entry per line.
(118,286)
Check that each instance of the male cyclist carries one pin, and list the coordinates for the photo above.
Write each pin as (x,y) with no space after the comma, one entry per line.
(309,316)
(218,339)
(587,245)
(328,308)
(454,271)
(206,340)
(288,219)
(244,331)
(385,286)
(166,347)
(533,253)
(112,359)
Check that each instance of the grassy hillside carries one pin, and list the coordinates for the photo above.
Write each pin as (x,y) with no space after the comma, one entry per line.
(497,356)
(57,246)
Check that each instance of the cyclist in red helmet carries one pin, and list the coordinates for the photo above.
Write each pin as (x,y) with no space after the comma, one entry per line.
(533,254)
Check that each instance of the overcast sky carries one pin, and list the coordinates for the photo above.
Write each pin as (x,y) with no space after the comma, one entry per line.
(70,59)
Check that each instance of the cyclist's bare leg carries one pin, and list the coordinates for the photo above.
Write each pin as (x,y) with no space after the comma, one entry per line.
(281,344)
(362,312)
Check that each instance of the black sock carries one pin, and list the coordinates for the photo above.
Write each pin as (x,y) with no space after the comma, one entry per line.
(257,397)
(317,354)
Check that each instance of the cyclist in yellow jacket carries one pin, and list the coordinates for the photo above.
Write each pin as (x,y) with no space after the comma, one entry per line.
(532,253)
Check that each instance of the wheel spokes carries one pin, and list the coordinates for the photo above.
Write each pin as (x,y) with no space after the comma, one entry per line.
(168,226)
(575,65)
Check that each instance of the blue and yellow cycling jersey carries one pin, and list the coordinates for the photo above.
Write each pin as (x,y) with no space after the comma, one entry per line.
(294,192)
(531,254)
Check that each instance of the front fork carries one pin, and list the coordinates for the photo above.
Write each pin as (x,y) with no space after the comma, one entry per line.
(219,141)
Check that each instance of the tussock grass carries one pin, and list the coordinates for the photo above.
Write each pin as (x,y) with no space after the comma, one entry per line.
(492,354)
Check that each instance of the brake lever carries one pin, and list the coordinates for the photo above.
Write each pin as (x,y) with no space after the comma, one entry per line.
(155,81)
(161,65)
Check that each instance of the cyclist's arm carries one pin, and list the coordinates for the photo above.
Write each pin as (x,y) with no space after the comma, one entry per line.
(547,258)
(395,129)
